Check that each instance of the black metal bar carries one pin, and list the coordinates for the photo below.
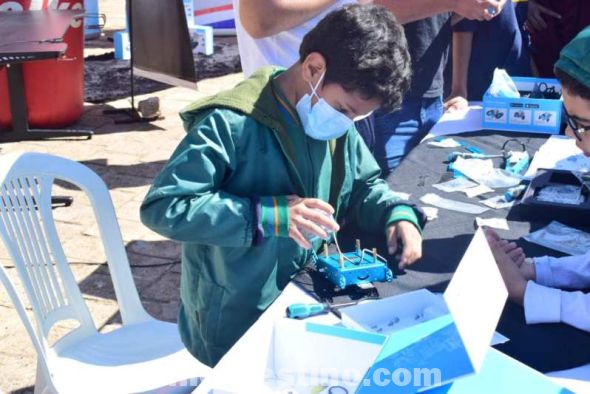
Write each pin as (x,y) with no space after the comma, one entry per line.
(18,110)
(18,102)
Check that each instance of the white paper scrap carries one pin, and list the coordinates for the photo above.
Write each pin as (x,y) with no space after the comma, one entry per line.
(497,202)
(445,143)
(402,195)
(562,238)
(452,205)
(431,212)
(477,191)
(455,185)
(483,171)
(499,223)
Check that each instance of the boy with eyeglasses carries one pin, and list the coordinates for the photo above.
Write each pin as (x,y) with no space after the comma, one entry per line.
(537,283)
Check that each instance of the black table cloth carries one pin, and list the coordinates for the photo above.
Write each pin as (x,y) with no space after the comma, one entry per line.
(546,347)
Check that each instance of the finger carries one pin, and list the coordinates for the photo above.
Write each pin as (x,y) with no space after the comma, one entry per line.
(548,11)
(316,203)
(392,240)
(539,22)
(320,219)
(491,234)
(516,254)
(520,260)
(510,247)
(533,24)
(412,246)
(310,227)
(296,235)
(411,254)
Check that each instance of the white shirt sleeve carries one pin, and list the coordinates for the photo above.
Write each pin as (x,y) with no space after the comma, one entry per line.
(544,302)
(572,272)
(547,305)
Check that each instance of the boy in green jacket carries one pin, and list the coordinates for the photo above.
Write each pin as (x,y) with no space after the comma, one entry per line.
(265,166)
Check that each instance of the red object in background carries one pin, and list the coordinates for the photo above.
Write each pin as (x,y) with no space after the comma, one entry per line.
(54,89)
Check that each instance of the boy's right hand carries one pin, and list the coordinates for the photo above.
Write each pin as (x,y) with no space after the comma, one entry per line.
(309,215)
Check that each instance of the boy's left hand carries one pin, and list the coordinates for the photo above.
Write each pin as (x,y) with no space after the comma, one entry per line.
(410,237)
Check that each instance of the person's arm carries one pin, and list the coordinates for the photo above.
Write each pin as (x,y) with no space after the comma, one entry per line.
(375,207)
(264,18)
(572,272)
(548,305)
(462,41)
(407,11)
(185,202)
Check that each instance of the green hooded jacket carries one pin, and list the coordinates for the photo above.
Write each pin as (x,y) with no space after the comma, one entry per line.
(226,181)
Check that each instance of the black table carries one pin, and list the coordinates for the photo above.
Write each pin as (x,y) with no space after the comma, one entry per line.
(29,36)
(546,347)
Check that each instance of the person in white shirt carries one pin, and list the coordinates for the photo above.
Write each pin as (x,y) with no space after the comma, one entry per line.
(270,31)
(548,287)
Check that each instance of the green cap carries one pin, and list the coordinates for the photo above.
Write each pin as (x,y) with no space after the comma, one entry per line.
(574,58)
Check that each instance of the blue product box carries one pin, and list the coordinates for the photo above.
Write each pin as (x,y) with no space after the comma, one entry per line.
(202,36)
(122,45)
(531,115)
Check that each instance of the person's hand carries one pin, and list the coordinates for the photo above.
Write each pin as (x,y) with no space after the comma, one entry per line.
(513,277)
(535,21)
(310,215)
(478,9)
(455,103)
(411,239)
(515,253)
(584,144)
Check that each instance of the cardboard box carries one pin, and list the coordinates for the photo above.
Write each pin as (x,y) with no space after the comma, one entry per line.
(447,349)
(573,214)
(530,115)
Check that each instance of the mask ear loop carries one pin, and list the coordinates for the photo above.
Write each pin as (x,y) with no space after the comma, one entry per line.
(315,88)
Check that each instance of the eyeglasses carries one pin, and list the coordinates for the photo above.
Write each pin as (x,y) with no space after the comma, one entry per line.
(573,124)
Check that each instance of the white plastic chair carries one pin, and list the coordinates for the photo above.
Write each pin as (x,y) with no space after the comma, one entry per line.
(142,355)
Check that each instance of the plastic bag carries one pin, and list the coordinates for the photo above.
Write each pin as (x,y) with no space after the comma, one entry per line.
(503,85)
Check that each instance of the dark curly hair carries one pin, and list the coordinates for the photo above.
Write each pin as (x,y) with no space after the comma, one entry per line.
(572,85)
(365,50)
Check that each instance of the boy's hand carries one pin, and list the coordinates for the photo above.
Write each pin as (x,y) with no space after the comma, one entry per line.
(535,21)
(512,273)
(309,215)
(411,239)
(515,253)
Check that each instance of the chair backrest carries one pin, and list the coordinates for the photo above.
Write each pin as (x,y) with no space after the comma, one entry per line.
(28,231)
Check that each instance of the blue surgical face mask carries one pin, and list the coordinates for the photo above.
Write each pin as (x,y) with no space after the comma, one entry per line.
(321,121)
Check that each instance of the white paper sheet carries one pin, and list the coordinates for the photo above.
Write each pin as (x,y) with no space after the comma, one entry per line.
(477,191)
(455,185)
(476,296)
(560,153)
(457,122)
(451,205)
(499,223)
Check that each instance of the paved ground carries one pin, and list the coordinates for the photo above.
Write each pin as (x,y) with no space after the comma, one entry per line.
(127,157)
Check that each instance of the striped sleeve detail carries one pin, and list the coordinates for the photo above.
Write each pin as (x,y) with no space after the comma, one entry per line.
(274,216)
(403,212)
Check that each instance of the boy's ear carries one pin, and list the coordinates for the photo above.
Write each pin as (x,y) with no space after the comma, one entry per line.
(313,67)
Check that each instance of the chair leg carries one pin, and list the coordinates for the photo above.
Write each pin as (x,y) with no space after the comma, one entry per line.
(43,383)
